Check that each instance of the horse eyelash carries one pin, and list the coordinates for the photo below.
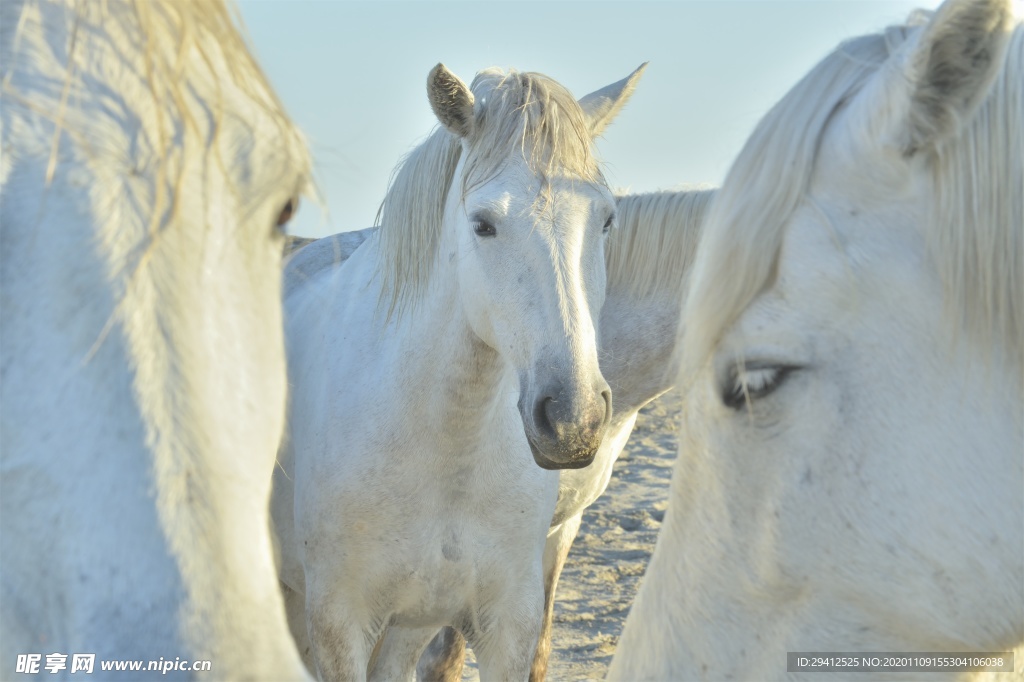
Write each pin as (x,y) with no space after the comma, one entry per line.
(738,394)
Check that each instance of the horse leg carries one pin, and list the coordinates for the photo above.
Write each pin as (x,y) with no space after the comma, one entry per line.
(341,645)
(399,651)
(505,641)
(444,657)
(556,549)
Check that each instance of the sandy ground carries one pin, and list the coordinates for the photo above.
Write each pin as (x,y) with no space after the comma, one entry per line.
(602,575)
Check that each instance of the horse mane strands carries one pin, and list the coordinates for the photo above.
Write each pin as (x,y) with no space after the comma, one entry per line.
(197,23)
(170,33)
(411,217)
(169,39)
(516,113)
(536,114)
(977,238)
(646,259)
(743,235)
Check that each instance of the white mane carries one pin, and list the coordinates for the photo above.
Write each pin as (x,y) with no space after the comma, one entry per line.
(175,38)
(515,113)
(655,240)
(978,212)
(978,200)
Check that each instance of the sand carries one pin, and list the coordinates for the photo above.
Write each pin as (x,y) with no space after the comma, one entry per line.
(608,559)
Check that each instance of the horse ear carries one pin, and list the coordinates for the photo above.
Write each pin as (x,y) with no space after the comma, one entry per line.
(948,71)
(603,105)
(451,100)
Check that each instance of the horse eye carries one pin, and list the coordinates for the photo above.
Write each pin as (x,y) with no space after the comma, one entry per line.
(752,383)
(287,212)
(608,223)
(484,229)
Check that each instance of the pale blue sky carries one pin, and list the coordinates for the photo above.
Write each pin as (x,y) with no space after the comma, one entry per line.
(352,74)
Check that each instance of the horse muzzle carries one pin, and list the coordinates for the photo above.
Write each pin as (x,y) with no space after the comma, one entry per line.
(565,426)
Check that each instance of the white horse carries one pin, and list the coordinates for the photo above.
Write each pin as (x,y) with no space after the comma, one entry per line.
(457,339)
(850,465)
(652,244)
(646,254)
(146,167)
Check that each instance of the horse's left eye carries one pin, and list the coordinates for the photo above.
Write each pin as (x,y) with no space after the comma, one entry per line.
(609,223)
(484,228)
(748,384)
(287,212)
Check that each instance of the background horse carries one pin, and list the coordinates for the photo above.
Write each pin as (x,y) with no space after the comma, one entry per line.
(146,170)
(456,340)
(850,468)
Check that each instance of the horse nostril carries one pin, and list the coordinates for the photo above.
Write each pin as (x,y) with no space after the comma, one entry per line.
(607,395)
(542,418)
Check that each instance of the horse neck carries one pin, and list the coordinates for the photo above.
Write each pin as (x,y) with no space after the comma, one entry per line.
(648,258)
(450,359)
(637,346)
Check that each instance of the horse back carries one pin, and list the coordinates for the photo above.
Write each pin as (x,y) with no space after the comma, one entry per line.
(307,258)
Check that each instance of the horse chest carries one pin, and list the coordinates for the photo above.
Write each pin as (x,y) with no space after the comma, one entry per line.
(460,509)
(445,537)
(438,579)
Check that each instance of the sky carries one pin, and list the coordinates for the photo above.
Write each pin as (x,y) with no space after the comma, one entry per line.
(352,75)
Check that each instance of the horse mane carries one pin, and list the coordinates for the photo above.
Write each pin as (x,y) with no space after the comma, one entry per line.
(171,37)
(977,209)
(200,25)
(197,25)
(515,113)
(655,240)
(977,212)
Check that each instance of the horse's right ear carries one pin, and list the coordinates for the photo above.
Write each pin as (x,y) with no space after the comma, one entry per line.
(451,100)
(946,73)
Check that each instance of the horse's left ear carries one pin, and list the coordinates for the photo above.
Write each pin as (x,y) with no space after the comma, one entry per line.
(602,106)
(947,73)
